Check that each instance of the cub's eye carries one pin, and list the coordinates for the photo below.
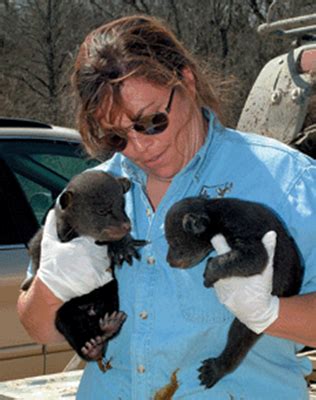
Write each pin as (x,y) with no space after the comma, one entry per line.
(102,211)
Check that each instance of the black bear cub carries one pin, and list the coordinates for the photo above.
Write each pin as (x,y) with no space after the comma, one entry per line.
(190,226)
(93,205)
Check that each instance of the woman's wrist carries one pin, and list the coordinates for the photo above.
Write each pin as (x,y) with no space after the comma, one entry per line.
(37,309)
(295,321)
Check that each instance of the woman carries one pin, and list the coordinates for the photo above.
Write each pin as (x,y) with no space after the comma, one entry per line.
(143,97)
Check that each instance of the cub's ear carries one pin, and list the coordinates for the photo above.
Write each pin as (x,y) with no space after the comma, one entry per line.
(65,199)
(126,184)
(195,223)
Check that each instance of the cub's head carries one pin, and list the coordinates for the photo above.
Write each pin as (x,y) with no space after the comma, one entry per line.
(187,227)
(93,205)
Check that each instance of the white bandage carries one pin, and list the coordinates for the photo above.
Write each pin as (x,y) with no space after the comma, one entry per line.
(74,268)
(250,298)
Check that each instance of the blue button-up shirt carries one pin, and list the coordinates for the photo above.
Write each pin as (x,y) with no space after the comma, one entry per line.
(174,322)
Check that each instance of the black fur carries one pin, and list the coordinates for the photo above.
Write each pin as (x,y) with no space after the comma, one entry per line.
(78,319)
(92,205)
(192,223)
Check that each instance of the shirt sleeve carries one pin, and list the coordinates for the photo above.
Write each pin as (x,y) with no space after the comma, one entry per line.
(300,214)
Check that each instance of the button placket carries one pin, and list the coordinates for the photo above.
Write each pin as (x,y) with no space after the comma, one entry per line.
(151,260)
(140,369)
(143,315)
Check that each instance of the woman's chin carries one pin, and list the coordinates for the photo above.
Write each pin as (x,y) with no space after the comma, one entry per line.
(162,174)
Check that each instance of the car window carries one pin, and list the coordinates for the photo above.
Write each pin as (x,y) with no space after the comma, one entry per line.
(41,195)
(64,165)
(42,169)
(18,223)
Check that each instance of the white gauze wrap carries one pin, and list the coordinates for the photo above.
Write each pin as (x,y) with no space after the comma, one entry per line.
(250,298)
(73,268)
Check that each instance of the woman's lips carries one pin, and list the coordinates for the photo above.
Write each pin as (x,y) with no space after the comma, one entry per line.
(154,160)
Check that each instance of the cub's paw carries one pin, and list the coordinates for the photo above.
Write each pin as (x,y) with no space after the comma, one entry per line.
(210,275)
(210,373)
(93,349)
(111,324)
(125,250)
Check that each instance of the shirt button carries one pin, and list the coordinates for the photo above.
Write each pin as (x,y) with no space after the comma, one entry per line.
(143,315)
(141,369)
(148,212)
(151,260)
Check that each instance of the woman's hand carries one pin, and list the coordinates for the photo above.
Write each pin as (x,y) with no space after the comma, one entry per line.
(74,268)
(250,298)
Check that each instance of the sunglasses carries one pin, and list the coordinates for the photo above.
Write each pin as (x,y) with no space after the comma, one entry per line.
(152,124)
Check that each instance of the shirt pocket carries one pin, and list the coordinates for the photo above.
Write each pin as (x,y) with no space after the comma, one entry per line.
(196,302)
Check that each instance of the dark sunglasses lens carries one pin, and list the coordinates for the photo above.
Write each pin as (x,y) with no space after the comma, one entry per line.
(116,142)
(156,124)
(139,127)
(160,122)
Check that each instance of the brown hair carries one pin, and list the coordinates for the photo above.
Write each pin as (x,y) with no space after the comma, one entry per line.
(138,46)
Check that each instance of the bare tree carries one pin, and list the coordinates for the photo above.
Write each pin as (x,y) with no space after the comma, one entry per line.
(39,40)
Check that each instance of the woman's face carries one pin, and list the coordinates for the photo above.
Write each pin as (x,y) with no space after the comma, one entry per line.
(162,155)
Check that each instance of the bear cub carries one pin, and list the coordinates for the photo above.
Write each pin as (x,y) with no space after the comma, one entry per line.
(92,205)
(190,226)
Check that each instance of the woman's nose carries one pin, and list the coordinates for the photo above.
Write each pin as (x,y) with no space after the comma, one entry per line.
(139,142)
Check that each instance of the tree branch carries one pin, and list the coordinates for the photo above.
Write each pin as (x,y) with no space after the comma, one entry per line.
(255,9)
(22,79)
(33,75)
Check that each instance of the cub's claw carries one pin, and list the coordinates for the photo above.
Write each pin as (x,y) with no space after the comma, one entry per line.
(111,324)
(125,250)
(93,349)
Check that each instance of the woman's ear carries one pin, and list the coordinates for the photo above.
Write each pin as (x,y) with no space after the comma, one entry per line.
(189,79)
